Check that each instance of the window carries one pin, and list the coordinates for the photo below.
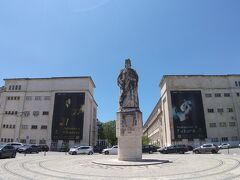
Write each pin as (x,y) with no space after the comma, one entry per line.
(1,139)
(18,98)
(26,113)
(236,83)
(220,110)
(24,126)
(7,126)
(224,139)
(217,95)
(34,127)
(8,98)
(43,127)
(45,112)
(23,141)
(232,124)
(211,110)
(10,87)
(214,139)
(32,141)
(10,126)
(38,98)
(19,87)
(208,95)
(28,98)
(47,98)
(212,125)
(230,109)
(223,124)
(35,113)
(238,94)
(14,126)
(234,138)
(42,141)
(15,98)
(226,94)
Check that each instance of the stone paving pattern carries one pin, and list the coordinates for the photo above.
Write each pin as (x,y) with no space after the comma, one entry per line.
(56,165)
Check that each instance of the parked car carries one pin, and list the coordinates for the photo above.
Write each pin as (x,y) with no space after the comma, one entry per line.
(149,149)
(112,151)
(190,148)
(64,148)
(224,146)
(16,145)
(43,148)
(206,148)
(29,148)
(81,150)
(181,149)
(7,151)
(98,149)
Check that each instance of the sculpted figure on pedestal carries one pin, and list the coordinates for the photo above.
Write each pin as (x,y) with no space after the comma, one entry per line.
(128,83)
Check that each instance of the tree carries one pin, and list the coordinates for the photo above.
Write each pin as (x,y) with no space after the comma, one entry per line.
(145,140)
(109,132)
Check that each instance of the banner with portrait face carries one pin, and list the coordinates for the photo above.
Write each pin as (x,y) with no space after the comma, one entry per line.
(188,115)
(68,116)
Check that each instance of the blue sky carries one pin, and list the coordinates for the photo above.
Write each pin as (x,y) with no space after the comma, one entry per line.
(49,38)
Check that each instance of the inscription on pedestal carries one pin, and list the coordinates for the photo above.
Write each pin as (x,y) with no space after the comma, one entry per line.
(128,123)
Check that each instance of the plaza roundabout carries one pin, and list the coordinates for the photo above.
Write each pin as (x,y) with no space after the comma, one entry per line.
(61,166)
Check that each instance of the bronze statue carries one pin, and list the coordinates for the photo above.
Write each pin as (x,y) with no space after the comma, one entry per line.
(128,83)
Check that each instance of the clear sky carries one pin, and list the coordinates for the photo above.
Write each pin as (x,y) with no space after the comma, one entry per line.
(49,38)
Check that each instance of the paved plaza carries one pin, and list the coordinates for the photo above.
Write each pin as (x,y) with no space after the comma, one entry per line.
(57,165)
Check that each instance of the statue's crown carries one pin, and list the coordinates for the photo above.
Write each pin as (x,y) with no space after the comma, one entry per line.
(128,62)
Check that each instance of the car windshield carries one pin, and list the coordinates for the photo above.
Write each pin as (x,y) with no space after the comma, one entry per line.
(1,146)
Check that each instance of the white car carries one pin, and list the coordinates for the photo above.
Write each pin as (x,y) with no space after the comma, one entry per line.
(112,151)
(81,150)
(16,145)
(224,146)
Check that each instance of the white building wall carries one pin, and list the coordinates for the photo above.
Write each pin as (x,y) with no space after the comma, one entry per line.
(41,87)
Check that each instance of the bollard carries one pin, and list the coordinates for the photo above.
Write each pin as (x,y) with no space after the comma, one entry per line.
(44,153)
(24,154)
(228,149)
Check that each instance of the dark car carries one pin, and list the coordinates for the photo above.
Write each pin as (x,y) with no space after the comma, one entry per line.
(99,149)
(28,149)
(190,148)
(43,148)
(7,151)
(181,149)
(149,149)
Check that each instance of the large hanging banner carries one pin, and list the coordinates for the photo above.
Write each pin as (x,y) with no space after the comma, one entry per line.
(68,116)
(188,115)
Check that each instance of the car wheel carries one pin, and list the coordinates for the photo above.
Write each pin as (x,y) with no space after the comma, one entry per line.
(196,152)
(150,152)
(74,153)
(181,152)
(90,153)
(13,155)
(213,152)
(106,152)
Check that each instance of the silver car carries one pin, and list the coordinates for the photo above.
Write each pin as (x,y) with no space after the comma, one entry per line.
(206,148)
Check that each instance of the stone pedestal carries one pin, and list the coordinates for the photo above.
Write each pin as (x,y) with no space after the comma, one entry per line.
(129,134)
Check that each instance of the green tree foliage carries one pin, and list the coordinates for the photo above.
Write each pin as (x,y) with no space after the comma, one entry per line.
(145,140)
(108,131)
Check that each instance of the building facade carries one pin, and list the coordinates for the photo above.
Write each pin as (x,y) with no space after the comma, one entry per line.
(196,109)
(54,111)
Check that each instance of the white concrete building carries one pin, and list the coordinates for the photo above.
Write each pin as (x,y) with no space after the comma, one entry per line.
(195,109)
(55,111)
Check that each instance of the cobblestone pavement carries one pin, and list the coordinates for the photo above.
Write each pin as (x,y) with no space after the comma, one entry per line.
(56,165)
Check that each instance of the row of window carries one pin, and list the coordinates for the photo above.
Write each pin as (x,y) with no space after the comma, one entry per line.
(38,98)
(14,87)
(27,113)
(209,95)
(31,141)
(237,83)
(16,98)
(224,139)
(10,126)
(33,126)
(219,110)
(222,124)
